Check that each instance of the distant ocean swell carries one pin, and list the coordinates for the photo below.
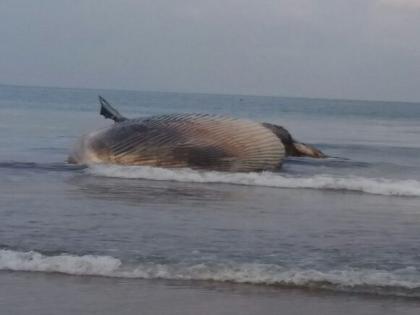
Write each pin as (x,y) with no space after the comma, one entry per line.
(377,186)
(403,282)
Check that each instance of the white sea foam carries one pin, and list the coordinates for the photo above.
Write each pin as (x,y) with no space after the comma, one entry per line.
(378,186)
(68,264)
(404,281)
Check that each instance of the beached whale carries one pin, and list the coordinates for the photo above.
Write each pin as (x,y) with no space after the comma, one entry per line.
(198,141)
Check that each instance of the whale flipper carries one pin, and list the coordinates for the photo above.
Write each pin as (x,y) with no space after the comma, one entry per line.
(110,112)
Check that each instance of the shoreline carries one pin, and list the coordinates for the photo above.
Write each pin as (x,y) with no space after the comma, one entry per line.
(39,293)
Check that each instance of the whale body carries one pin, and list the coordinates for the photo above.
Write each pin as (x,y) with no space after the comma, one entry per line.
(198,141)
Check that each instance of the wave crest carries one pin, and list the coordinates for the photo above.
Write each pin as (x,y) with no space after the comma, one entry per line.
(397,282)
(377,186)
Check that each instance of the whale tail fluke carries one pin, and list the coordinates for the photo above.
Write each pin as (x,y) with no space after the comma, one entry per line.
(110,112)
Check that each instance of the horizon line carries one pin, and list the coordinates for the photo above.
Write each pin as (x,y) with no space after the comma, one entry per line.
(208,93)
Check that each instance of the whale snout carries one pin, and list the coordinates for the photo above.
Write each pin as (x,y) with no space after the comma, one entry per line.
(303,149)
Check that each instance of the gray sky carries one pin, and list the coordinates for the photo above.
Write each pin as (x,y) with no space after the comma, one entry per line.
(357,49)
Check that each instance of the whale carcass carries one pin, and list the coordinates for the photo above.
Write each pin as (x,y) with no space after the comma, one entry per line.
(198,141)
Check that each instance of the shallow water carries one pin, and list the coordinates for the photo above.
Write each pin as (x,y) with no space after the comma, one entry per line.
(350,223)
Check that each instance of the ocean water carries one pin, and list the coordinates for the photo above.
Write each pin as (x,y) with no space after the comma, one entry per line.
(346,224)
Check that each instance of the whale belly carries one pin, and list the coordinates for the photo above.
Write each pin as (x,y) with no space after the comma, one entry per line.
(184,140)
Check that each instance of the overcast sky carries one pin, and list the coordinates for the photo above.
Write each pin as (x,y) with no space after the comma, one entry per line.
(353,49)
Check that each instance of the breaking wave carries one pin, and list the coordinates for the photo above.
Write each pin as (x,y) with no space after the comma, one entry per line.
(402,282)
(377,186)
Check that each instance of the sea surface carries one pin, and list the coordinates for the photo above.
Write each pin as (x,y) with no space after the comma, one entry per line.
(348,225)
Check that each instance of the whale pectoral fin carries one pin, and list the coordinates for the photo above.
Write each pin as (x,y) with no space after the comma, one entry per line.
(109,112)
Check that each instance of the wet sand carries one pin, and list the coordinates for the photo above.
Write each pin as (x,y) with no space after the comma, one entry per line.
(37,293)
